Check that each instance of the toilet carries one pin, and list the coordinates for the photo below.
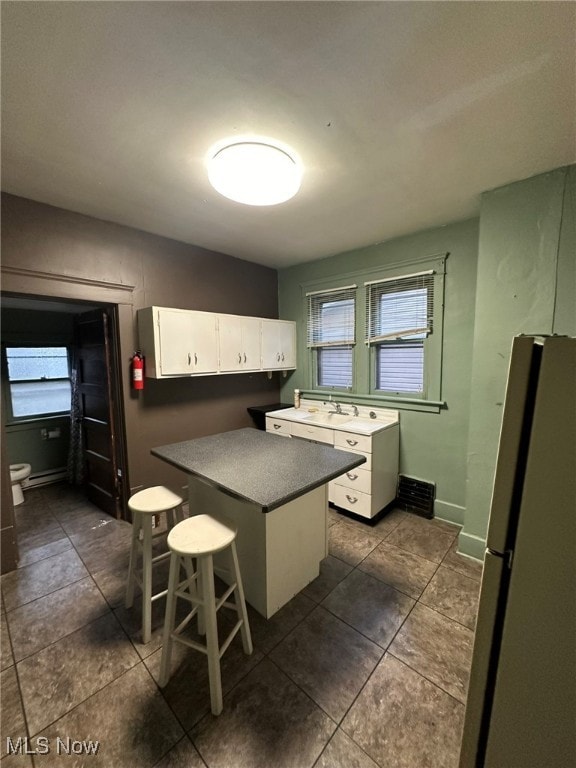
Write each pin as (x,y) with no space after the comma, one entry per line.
(19,474)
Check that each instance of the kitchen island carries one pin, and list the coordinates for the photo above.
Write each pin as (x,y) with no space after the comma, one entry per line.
(275,492)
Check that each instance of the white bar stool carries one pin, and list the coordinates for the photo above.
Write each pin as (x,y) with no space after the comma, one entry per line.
(200,537)
(144,505)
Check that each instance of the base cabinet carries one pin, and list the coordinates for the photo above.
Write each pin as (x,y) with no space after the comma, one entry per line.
(364,490)
(279,551)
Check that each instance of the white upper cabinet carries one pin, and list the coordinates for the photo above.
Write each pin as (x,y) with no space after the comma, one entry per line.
(180,342)
(278,344)
(187,342)
(239,340)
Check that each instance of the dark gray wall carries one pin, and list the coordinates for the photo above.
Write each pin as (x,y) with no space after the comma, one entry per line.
(52,252)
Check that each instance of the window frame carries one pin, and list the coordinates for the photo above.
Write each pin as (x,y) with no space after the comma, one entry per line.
(402,282)
(316,346)
(363,390)
(7,390)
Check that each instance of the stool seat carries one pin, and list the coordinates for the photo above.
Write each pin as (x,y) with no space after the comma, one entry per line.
(193,544)
(153,500)
(200,535)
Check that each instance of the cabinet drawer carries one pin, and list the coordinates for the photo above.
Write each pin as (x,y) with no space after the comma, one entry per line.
(367,456)
(278,426)
(312,432)
(361,443)
(354,501)
(357,479)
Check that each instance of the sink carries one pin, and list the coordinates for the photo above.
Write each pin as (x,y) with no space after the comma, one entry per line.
(330,419)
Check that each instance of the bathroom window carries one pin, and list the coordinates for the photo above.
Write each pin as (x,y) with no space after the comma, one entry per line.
(38,381)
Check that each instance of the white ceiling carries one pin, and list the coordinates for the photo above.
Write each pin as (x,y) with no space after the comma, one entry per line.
(401,112)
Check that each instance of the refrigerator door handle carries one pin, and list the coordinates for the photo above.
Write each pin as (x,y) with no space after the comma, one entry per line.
(507,556)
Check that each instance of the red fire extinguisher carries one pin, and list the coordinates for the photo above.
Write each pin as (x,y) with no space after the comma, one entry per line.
(137,364)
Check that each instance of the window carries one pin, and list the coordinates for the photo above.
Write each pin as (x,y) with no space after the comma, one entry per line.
(397,310)
(399,318)
(38,380)
(331,336)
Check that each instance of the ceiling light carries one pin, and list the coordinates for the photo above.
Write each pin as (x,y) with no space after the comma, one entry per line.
(254,173)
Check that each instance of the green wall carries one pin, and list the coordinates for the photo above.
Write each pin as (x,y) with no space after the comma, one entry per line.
(511,271)
(433,445)
(525,284)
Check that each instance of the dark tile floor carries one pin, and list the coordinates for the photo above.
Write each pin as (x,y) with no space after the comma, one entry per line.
(367,667)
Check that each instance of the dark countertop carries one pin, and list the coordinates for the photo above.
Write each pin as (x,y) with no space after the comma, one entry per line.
(265,469)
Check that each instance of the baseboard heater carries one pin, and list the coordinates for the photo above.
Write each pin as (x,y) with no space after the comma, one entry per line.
(45,478)
(416,496)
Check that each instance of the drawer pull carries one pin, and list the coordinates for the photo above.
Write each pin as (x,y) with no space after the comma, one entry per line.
(352,499)
(351,442)
(351,476)
(277,426)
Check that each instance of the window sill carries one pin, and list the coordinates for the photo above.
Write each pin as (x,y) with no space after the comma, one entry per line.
(399,403)
(26,422)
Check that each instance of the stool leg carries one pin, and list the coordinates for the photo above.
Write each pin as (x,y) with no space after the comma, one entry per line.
(209,597)
(193,589)
(241,602)
(147,579)
(170,618)
(136,523)
(201,616)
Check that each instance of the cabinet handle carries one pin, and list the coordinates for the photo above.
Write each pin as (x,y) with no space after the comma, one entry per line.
(282,356)
(239,357)
(244,356)
(189,358)
(195,359)
(352,442)
(352,499)
(351,476)
(278,357)
(277,426)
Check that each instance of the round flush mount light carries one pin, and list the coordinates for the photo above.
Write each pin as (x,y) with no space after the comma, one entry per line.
(254,172)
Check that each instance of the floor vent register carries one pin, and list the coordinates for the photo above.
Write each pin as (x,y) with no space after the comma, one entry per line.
(416,496)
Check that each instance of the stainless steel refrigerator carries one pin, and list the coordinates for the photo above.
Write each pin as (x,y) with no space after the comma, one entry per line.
(521,706)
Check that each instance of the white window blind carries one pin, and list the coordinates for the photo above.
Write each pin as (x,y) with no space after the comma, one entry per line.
(331,333)
(399,316)
(400,367)
(331,317)
(400,307)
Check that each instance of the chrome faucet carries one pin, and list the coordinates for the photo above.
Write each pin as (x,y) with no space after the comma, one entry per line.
(338,409)
(355,410)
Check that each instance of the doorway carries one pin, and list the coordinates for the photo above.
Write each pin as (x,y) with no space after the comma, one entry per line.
(95,428)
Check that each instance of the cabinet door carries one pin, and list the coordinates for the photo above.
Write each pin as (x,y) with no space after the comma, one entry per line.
(175,334)
(239,341)
(287,332)
(251,340)
(230,341)
(278,344)
(204,343)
